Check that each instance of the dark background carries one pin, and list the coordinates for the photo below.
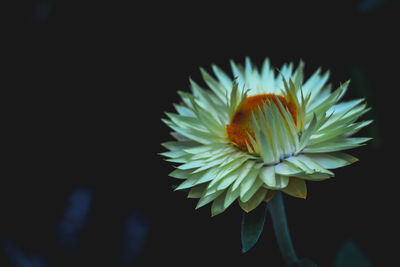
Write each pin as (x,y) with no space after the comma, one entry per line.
(87,86)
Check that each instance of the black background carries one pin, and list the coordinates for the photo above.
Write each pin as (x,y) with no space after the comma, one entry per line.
(89,84)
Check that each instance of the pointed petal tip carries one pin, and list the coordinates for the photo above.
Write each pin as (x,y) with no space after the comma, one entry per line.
(245,250)
(304,195)
(213,214)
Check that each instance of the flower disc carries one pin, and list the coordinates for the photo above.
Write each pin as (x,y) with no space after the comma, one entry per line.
(241,126)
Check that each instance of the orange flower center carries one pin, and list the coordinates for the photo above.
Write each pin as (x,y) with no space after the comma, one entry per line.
(241,123)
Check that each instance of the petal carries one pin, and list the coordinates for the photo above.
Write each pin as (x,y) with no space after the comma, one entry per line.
(215,86)
(179,145)
(257,198)
(173,154)
(253,189)
(249,180)
(287,169)
(296,188)
(332,160)
(231,195)
(245,170)
(217,206)
(307,165)
(180,174)
(232,176)
(314,176)
(314,166)
(228,173)
(336,145)
(268,76)
(267,175)
(197,191)
(222,77)
(207,176)
(191,181)
(271,179)
(204,200)
(305,137)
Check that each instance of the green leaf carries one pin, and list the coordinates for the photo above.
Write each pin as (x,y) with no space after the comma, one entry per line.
(350,255)
(252,227)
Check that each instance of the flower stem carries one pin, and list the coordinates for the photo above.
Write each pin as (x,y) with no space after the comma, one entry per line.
(279,222)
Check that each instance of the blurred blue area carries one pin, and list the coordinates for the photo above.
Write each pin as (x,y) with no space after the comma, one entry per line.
(136,230)
(75,217)
(365,6)
(350,255)
(40,12)
(18,258)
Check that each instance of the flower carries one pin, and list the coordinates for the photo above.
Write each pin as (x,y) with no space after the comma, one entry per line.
(246,138)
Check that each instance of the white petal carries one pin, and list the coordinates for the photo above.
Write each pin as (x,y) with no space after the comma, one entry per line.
(222,77)
(332,160)
(197,191)
(267,175)
(314,176)
(215,86)
(175,145)
(217,206)
(314,166)
(204,200)
(231,195)
(257,198)
(180,174)
(268,77)
(190,182)
(249,180)
(248,166)
(336,145)
(287,169)
(252,190)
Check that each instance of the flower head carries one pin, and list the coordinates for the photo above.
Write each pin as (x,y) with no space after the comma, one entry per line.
(245,138)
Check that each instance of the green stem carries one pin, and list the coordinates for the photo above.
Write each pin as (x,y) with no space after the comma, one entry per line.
(279,222)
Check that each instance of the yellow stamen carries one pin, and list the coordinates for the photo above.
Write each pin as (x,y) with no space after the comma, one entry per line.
(241,123)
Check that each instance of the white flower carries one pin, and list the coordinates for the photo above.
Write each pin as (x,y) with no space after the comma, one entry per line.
(243,139)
